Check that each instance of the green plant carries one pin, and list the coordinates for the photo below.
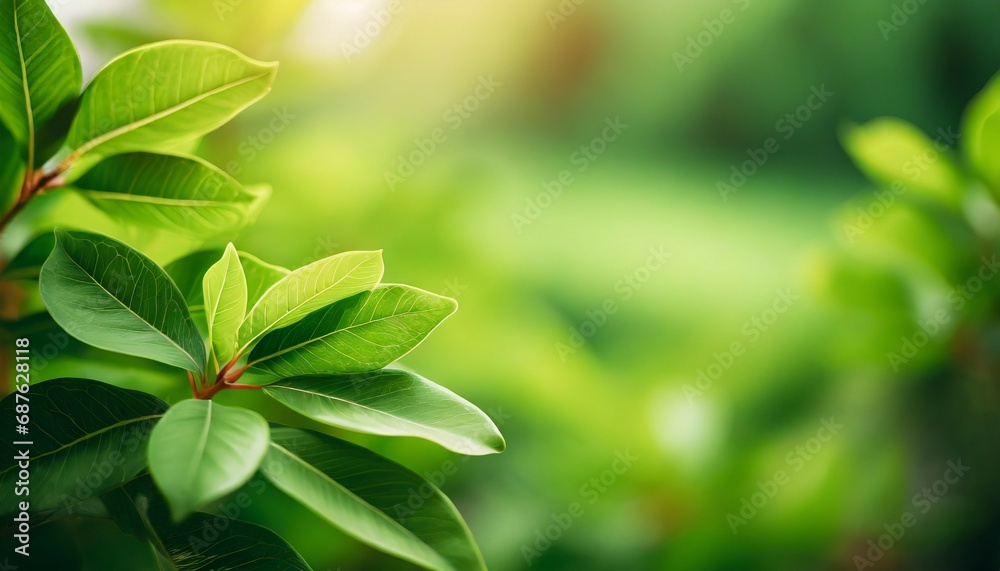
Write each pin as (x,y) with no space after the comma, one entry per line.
(317,339)
(920,252)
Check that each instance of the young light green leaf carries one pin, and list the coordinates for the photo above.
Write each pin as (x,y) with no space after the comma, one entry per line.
(392,403)
(362,333)
(981,133)
(309,288)
(188,273)
(893,152)
(140,510)
(40,71)
(202,451)
(162,94)
(87,437)
(183,194)
(260,276)
(225,293)
(28,262)
(371,499)
(110,296)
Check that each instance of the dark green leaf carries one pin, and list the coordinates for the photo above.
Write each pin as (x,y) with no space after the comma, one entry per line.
(87,437)
(372,499)
(110,296)
(39,70)
(11,169)
(199,543)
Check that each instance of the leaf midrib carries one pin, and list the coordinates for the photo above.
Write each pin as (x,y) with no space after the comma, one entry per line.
(129,309)
(199,456)
(129,127)
(312,340)
(158,200)
(362,406)
(27,91)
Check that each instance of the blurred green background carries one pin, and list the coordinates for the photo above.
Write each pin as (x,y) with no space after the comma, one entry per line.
(583,345)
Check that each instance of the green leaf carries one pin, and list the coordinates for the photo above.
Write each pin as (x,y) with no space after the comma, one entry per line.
(362,333)
(225,293)
(182,194)
(188,273)
(28,262)
(260,276)
(110,296)
(392,403)
(893,152)
(981,133)
(202,451)
(198,543)
(40,71)
(87,437)
(162,94)
(309,288)
(11,169)
(372,499)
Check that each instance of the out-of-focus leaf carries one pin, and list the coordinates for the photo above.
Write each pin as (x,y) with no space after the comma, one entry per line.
(260,276)
(188,274)
(28,262)
(981,135)
(893,152)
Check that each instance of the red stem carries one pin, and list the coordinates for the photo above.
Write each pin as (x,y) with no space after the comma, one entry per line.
(194,387)
(35,182)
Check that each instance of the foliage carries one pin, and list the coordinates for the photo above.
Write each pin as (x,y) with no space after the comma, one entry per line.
(316,338)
